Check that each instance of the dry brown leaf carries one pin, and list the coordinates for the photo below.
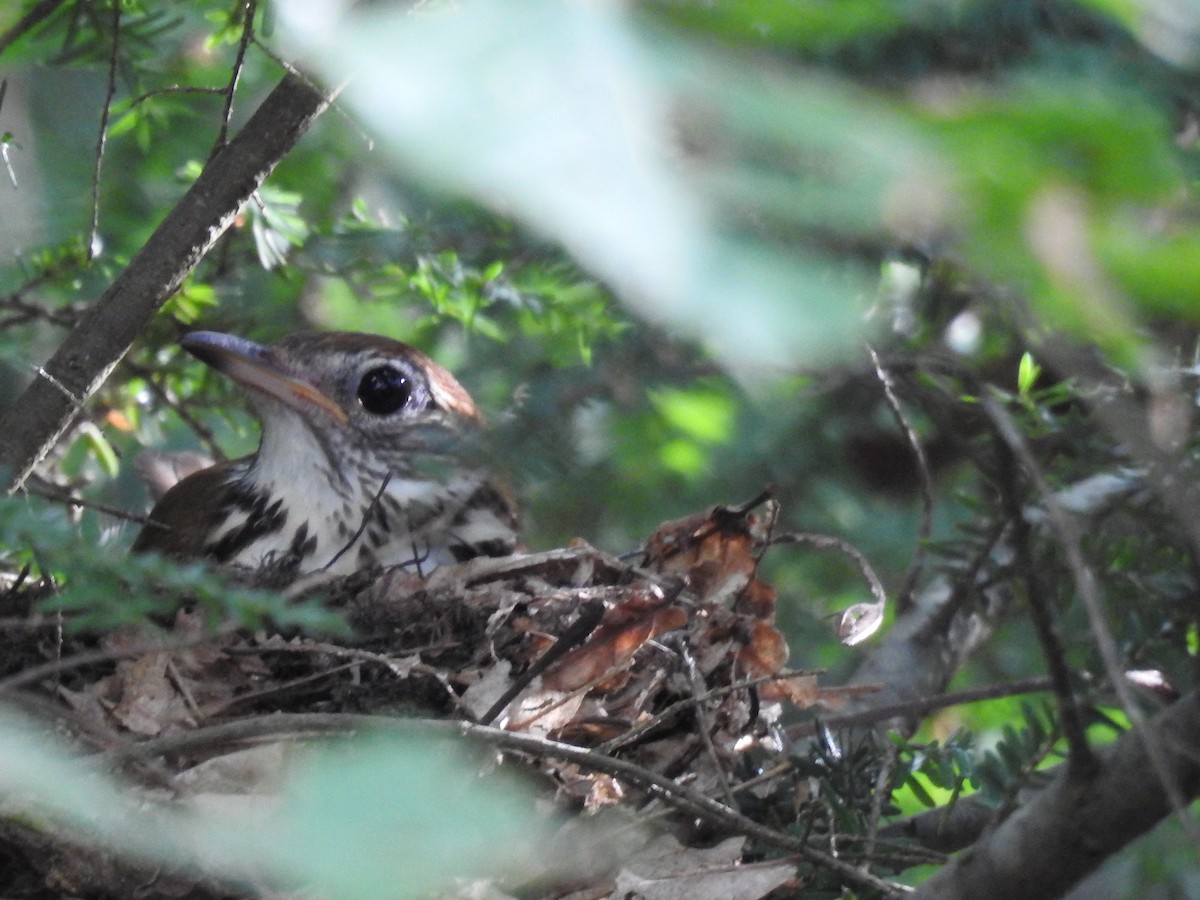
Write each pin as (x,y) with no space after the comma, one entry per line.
(483,694)
(644,615)
(668,871)
(713,552)
(765,652)
(800,690)
(542,711)
(255,769)
(757,601)
(149,701)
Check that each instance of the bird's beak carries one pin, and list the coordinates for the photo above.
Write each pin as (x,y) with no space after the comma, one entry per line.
(258,367)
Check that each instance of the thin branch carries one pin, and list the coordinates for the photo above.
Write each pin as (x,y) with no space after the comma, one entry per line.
(1085,583)
(304,726)
(163,396)
(32,425)
(704,724)
(66,498)
(921,707)
(589,617)
(831,542)
(90,657)
(362,525)
(102,138)
(38,14)
(679,706)
(1082,759)
(861,620)
(883,778)
(230,90)
(904,595)
(32,312)
(176,89)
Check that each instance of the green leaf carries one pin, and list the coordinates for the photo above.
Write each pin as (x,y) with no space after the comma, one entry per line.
(1028,372)
(622,205)
(411,813)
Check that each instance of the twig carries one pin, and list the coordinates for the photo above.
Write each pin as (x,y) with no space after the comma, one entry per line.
(90,657)
(102,137)
(1085,584)
(904,595)
(588,618)
(831,542)
(303,726)
(230,89)
(358,655)
(883,778)
(967,582)
(155,386)
(57,495)
(704,724)
(222,707)
(921,707)
(1082,759)
(679,706)
(38,14)
(31,425)
(176,89)
(362,525)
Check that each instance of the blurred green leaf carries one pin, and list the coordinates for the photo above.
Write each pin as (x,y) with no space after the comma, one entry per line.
(1045,166)
(102,589)
(559,113)
(411,815)
(793,23)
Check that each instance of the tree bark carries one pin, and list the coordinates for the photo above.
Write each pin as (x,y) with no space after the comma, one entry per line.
(39,417)
(1076,823)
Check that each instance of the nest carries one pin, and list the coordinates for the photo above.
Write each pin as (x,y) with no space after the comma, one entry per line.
(621,686)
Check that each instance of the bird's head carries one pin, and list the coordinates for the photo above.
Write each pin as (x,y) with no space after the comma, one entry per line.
(350,395)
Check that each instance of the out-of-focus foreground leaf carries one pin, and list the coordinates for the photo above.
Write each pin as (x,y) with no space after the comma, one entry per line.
(375,817)
(569,118)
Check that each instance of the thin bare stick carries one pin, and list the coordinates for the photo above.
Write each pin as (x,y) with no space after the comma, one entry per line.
(30,426)
(163,396)
(38,14)
(94,245)
(704,723)
(904,595)
(90,657)
(58,495)
(1085,583)
(231,89)
(921,707)
(1081,759)
(362,525)
(303,726)
(176,89)
(589,617)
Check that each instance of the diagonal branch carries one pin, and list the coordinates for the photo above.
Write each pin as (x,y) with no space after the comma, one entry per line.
(34,423)
(1072,826)
(39,13)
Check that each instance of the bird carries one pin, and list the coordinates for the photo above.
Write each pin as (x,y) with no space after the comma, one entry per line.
(362,462)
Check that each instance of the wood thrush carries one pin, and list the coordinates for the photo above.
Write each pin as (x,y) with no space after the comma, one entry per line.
(360,463)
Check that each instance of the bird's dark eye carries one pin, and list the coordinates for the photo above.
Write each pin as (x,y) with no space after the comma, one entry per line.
(383,390)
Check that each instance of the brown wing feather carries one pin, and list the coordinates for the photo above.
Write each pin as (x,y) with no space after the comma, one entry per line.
(184,518)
